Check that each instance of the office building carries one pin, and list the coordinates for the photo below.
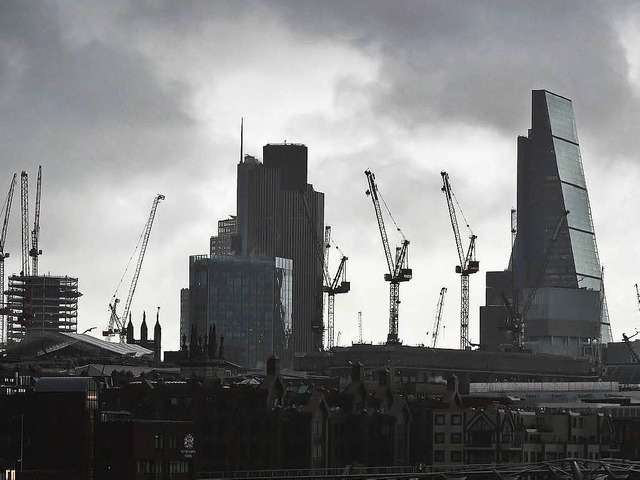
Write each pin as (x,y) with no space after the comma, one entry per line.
(225,242)
(280,215)
(248,301)
(555,259)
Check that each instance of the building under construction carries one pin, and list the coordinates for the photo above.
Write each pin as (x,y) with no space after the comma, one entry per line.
(41,304)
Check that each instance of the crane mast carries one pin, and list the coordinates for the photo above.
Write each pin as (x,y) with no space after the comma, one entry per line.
(359,327)
(3,255)
(468,264)
(35,233)
(118,324)
(436,323)
(398,269)
(24,207)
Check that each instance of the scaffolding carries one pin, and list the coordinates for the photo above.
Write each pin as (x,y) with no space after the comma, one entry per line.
(41,304)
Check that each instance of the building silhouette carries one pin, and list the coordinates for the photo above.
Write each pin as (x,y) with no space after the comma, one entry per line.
(555,259)
(281,215)
(154,344)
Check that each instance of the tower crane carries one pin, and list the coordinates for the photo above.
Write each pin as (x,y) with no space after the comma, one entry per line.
(360,327)
(24,207)
(337,285)
(515,318)
(117,325)
(436,323)
(3,255)
(35,233)
(468,264)
(398,266)
(332,286)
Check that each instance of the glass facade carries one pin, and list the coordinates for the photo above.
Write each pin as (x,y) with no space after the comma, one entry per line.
(249,300)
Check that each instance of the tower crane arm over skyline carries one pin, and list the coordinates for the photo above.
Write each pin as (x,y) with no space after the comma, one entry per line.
(118,324)
(398,269)
(467,265)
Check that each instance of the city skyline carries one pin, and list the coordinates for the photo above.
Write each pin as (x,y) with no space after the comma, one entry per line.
(140,101)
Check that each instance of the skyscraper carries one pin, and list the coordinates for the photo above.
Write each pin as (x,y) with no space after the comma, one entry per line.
(273,199)
(555,262)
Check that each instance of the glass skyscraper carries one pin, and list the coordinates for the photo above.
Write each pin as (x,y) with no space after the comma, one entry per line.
(249,300)
(568,312)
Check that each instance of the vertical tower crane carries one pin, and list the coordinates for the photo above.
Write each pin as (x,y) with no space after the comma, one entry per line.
(336,285)
(359,327)
(436,323)
(467,266)
(117,325)
(24,207)
(35,233)
(3,255)
(398,269)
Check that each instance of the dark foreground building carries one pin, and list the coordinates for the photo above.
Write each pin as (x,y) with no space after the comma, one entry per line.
(554,260)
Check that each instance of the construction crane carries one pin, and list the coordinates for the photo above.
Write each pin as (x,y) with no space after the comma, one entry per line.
(117,324)
(467,266)
(3,237)
(398,266)
(436,322)
(335,286)
(360,327)
(35,233)
(24,207)
(516,319)
(638,296)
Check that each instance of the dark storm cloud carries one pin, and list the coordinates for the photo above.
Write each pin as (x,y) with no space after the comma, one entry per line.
(475,62)
(51,90)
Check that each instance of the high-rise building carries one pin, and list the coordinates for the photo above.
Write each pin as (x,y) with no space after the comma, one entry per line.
(280,215)
(184,315)
(41,304)
(555,258)
(249,302)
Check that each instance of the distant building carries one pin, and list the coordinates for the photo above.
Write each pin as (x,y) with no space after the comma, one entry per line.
(249,302)
(568,312)
(225,243)
(154,344)
(184,313)
(272,203)
(41,304)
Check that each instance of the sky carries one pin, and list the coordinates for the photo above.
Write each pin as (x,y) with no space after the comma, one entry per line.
(122,100)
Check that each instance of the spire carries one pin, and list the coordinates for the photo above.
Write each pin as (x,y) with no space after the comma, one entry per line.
(157,326)
(130,330)
(144,331)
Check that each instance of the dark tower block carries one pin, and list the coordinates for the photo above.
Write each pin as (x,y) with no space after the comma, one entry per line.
(272,222)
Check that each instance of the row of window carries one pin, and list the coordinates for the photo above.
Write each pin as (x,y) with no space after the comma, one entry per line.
(440,419)
(455,437)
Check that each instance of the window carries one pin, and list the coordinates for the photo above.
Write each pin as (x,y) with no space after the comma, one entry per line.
(158,442)
(456,419)
(438,419)
(438,456)
(456,437)
(456,456)
(438,437)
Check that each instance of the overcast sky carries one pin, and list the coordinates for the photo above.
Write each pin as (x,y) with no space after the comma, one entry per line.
(122,100)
